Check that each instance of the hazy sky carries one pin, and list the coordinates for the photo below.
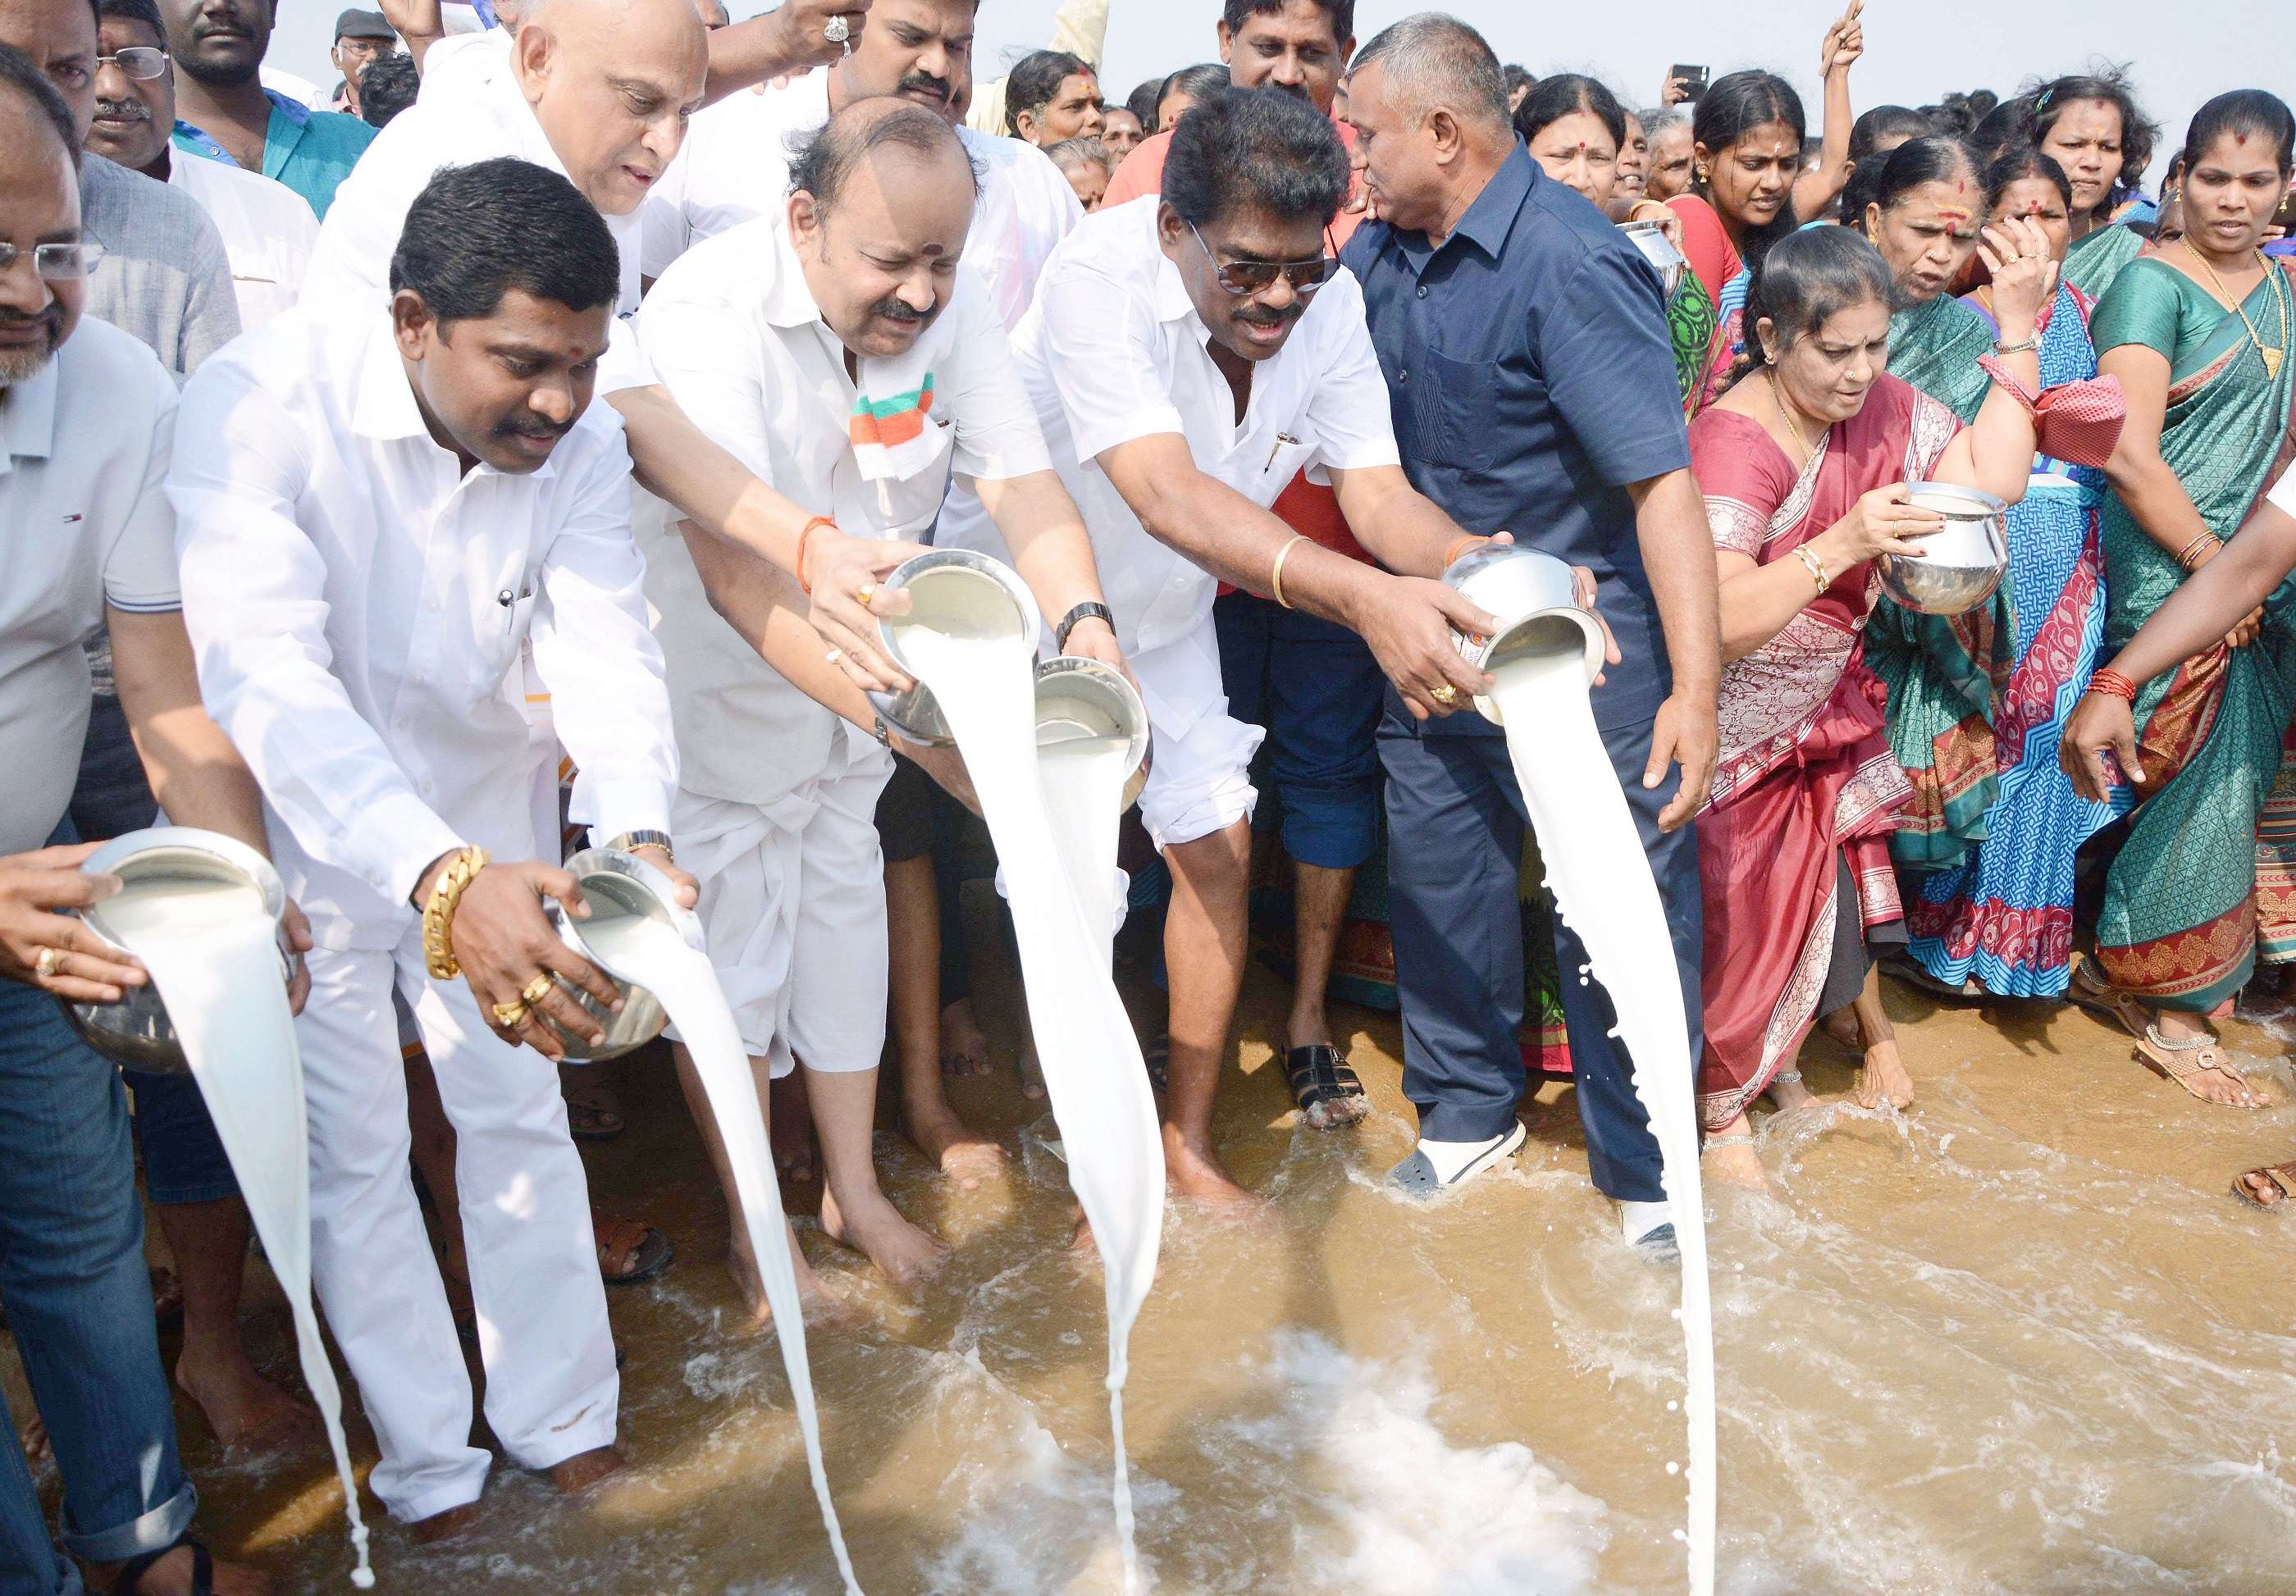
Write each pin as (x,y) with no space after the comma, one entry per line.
(1915,50)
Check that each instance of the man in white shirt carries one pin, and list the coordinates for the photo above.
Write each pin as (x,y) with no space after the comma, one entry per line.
(268,229)
(1188,356)
(376,513)
(87,417)
(735,164)
(777,332)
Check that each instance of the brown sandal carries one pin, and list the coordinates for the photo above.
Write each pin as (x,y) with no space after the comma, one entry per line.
(2182,1062)
(2282,1175)
(629,1252)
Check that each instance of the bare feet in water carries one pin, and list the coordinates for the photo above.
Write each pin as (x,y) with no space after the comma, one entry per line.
(1191,1169)
(1787,1093)
(1883,1078)
(1731,1157)
(957,1151)
(963,1047)
(742,1264)
(241,1407)
(452,1525)
(585,1469)
(1031,1070)
(905,1253)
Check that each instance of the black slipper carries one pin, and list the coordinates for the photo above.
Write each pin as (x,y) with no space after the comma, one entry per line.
(131,1572)
(1317,1075)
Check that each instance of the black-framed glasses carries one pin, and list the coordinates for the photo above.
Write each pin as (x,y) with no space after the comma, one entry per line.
(65,262)
(1241,277)
(139,61)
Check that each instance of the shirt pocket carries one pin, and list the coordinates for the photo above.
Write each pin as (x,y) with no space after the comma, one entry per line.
(1455,410)
(505,615)
(1289,457)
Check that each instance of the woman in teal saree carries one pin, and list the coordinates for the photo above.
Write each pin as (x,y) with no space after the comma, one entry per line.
(2092,127)
(2199,336)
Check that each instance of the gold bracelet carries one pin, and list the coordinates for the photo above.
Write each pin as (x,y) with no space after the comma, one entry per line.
(439,914)
(1275,577)
(1815,566)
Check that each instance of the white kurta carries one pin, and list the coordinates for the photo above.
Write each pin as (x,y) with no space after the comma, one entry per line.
(358,608)
(268,231)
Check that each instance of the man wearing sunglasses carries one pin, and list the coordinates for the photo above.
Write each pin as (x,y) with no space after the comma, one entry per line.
(1188,356)
(268,229)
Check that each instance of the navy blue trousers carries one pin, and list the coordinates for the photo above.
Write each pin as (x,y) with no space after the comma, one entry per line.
(1455,821)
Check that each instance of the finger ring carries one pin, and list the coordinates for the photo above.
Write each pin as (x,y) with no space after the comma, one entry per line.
(1445,694)
(536,990)
(865,592)
(834,655)
(511,1016)
(49,959)
(837,31)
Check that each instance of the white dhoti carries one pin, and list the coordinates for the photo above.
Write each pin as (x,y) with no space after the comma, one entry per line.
(794,905)
(1200,770)
(551,1391)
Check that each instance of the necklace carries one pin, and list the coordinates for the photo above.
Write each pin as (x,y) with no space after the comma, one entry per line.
(2271,355)
(1786,414)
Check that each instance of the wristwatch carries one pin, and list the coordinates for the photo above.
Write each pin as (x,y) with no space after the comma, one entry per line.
(1088,610)
(629,842)
(882,733)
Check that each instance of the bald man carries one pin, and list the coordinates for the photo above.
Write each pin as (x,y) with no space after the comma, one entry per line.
(783,43)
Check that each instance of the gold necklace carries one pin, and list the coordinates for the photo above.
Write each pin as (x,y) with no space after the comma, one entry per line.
(2271,357)
(1778,398)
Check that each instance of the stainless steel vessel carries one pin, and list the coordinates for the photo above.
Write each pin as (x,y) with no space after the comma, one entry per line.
(1535,597)
(960,592)
(1658,250)
(135,1031)
(1077,698)
(615,883)
(1961,566)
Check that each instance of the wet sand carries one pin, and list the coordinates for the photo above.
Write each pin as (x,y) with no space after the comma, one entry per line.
(2019,1340)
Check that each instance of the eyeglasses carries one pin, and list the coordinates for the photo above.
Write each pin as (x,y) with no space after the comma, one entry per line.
(1241,277)
(57,262)
(139,61)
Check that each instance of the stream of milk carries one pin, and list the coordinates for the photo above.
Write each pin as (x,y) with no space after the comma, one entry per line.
(1062,916)
(1601,883)
(213,954)
(649,953)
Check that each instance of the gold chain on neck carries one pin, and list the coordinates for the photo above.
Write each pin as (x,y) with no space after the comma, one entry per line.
(2271,355)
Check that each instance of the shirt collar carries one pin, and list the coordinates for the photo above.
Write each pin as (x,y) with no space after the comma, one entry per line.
(789,302)
(199,139)
(1489,216)
(384,408)
(294,110)
(28,416)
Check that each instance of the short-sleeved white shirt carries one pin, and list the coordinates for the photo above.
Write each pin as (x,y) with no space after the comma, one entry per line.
(84,523)
(1113,350)
(268,231)
(734,167)
(740,344)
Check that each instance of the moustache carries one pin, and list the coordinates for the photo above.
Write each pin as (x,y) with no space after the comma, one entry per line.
(916,82)
(122,110)
(894,310)
(1260,317)
(539,430)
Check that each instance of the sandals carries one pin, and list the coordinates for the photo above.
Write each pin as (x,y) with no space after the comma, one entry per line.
(629,1252)
(131,1572)
(2282,1175)
(591,1116)
(2166,1055)
(1320,1079)
(1157,1058)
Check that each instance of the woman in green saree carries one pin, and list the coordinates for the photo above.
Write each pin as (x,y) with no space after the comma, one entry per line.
(2199,336)
(2092,127)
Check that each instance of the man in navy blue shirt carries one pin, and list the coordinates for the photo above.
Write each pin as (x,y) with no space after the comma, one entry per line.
(1525,348)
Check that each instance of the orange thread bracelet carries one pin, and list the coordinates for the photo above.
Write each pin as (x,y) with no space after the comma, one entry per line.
(2113,684)
(804,540)
(1458,545)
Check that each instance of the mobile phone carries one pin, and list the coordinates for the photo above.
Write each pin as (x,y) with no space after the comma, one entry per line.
(1694,81)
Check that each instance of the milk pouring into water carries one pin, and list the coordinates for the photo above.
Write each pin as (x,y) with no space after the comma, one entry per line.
(1601,882)
(213,953)
(647,952)
(1058,853)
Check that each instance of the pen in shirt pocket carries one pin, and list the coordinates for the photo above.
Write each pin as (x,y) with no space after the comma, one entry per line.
(1276,448)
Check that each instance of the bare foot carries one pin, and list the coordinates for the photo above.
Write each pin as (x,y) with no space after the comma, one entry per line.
(904,1253)
(1193,1170)
(585,1469)
(34,1439)
(452,1525)
(957,1151)
(1032,1070)
(788,1127)
(963,1047)
(1787,1094)
(241,1407)
(1883,1079)
(742,1264)
(172,1576)
(1731,1157)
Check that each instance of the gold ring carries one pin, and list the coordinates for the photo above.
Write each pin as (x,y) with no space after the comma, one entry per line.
(1444,693)
(46,964)
(511,1016)
(536,990)
(834,655)
(865,592)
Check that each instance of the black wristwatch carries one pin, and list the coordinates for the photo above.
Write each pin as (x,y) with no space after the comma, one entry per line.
(1088,610)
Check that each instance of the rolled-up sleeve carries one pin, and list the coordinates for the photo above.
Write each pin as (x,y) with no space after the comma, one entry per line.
(1103,344)
(255,603)
(598,657)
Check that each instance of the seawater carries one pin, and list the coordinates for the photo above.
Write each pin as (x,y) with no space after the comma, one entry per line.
(212,952)
(649,953)
(1601,883)
(1059,860)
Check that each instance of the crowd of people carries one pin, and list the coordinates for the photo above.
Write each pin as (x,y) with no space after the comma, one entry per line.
(511,444)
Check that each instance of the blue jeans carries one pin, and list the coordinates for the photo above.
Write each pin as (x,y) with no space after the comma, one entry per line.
(79,1302)
(1316,687)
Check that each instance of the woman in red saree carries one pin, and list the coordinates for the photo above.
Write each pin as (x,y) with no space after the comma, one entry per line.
(1805,468)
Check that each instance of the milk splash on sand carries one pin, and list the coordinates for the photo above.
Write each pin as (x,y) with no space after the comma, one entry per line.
(648,953)
(1601,882)
(212,952)
(1063,913)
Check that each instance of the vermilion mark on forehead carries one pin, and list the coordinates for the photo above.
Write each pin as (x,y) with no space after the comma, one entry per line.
(1947,213)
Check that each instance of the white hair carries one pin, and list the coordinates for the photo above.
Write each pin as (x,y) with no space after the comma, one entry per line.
(1433,61)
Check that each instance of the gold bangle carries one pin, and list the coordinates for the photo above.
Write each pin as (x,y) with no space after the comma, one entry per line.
(1815,566)
(439,914)
(1275,577)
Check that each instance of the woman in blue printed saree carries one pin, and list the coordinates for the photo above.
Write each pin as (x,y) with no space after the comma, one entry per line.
(2201,885)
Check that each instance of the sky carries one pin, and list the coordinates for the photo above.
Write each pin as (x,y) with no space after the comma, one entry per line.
(1915,50)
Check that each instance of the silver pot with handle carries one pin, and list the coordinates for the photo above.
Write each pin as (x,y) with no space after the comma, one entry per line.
(962,593)
(1651,238)
(1535,597)
(1961,566)
(617,884)
(135,1031)
(1081,699)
